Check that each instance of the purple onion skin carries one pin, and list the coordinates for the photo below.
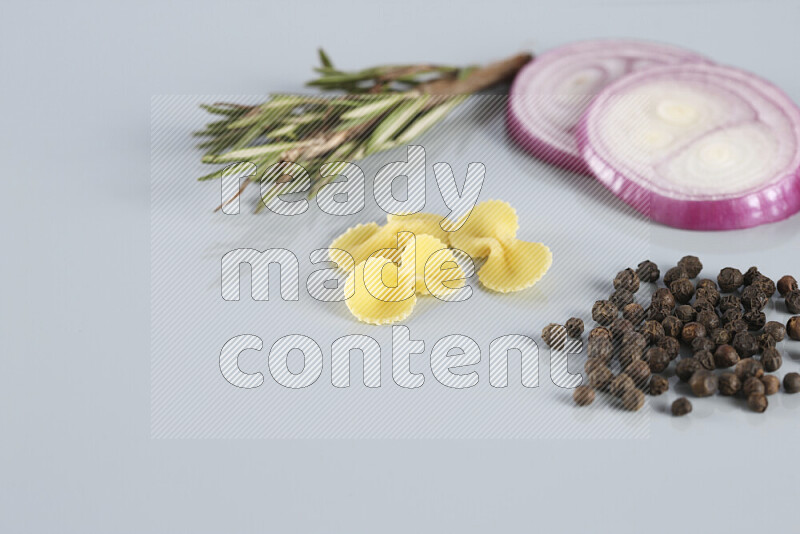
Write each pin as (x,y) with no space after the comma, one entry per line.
(725,214)
(542,149)
(777,201)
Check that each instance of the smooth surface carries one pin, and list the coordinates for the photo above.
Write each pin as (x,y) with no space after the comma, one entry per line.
(75,397)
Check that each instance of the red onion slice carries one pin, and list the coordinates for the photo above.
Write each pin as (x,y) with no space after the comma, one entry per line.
(550,94)
(696,146)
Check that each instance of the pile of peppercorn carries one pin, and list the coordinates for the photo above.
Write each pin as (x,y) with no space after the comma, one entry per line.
(721,323)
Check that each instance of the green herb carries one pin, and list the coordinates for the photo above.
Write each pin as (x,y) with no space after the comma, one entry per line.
(377,109)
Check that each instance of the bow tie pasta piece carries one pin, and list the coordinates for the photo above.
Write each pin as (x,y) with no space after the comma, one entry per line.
(514,265)
(419,223)
(492,218)
(382,293)
(475,247)
(361,241)
(410,255)
(444,275)
(430,257)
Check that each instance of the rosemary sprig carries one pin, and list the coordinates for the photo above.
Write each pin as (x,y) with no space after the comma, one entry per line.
(378,108)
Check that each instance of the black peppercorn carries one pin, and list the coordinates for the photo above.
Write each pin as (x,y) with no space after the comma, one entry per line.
(765,341)
(709,319)
(632,400)
(658,385)
(706,359)
(775,330)
(583,395)
(791,383)
(707,284)
(725,356)
(663,298)
(730,279)
(627,279)
(657,313)
(754,299)
(721,336)
(752,385)
(751,275)
(601,378)
(692,265)
(620,385)
(639,372)
(729,384)
(686,368)
(621,297)
(745,344)
(771,384)
(555,336)
(771,360)
(748,367)
(685,313)
(793,327)
(634,339)
(691,331)
(709,294)
(704,383)
(704,305)
(786,284)
(619,327)
(604,312)
(755,320)
(676,273)
(792,300)
(658,359)
(731,315)
(682,289)
(634,313)
(652,331)
(736,326)
(672,326)
(574,327)
(758,402)
(600,332)
(703,343)
(632,348)
(648,272)
(681,407)
(592,364)
(671,345)
(765,284)
(729,302)
(600,348)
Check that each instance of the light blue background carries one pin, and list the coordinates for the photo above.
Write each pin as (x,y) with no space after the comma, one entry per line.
(76,451)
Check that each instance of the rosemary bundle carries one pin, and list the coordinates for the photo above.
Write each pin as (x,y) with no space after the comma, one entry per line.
(377,109)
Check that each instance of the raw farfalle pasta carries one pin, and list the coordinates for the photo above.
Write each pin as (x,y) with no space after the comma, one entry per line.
(410,255)
(424,253)
(383,292)
(361,241)
(419,224)
(514,265)
(511,264)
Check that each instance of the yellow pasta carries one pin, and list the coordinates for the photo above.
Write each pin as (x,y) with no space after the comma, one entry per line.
(361,241)
(409,255)
(382,292)
(444,276)
(424,249)
(514,265)
(418,224)
(492,218)
(511,264)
